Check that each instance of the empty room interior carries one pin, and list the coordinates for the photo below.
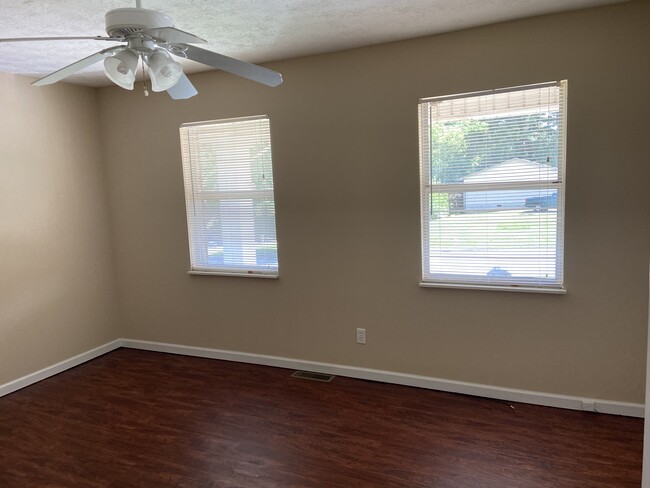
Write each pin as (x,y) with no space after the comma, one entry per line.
(436,210)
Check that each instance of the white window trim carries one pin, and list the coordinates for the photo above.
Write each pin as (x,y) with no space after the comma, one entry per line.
(199,272)
(190,195)
(426,191)
(512,288)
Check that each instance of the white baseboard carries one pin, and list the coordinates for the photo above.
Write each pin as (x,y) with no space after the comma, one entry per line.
(57,368)
(451,386)
(508,394)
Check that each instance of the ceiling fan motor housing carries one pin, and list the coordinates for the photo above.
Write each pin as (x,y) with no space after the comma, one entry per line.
(123,22)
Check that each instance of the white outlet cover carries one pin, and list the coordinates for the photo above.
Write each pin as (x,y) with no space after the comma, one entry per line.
(361,336)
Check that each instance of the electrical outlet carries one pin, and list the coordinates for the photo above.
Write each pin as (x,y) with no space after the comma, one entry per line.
(361,336)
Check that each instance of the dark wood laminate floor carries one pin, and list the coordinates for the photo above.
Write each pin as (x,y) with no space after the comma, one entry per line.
(142,419)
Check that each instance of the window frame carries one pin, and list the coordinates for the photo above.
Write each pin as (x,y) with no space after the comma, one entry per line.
(460,281)
(196,226)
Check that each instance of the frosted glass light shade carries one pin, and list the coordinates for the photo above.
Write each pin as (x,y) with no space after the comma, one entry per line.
(163,71)
(120,68)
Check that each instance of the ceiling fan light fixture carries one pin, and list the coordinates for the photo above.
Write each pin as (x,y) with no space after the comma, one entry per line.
(150,35)
(163,70)
(121,68)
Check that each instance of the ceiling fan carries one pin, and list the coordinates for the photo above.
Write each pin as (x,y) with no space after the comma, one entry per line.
(150,36)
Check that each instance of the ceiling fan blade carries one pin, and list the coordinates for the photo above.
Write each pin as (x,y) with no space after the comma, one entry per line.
(74,67)
(183,89)
(93,38)
(172,35)
(235,66)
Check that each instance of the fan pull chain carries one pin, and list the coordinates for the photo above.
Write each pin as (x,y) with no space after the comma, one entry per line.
(144,79)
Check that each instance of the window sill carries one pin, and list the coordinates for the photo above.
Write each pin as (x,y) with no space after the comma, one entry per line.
(237,275)
(518,289)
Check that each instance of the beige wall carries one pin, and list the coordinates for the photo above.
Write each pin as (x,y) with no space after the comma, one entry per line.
(56,286)
(345,148)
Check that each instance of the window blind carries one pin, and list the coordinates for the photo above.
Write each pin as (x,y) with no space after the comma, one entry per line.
(492,187)
(228,176)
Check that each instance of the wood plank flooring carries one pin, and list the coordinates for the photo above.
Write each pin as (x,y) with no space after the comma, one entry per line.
(143,419)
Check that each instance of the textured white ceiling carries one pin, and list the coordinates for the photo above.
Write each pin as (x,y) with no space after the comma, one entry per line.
(252,30)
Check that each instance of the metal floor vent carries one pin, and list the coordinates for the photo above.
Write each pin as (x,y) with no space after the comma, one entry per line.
(310,375)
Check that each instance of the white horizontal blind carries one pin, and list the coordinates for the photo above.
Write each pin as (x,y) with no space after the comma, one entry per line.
(492,187)
(227,170)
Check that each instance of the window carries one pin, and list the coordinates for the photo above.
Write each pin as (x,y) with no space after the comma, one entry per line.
(492,188)
(228,178)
